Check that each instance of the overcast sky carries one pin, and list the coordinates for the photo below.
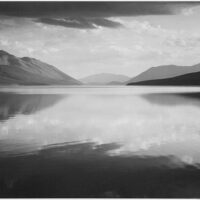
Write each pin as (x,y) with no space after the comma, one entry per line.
(87,38)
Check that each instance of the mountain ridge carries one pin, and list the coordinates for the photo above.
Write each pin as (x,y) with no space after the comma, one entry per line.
(190,79)
(31,71)
(163,72)
(104,78)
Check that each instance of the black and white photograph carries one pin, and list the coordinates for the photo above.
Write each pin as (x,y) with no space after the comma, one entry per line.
(100,99)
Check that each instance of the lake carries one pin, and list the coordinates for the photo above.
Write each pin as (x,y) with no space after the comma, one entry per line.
(139,142)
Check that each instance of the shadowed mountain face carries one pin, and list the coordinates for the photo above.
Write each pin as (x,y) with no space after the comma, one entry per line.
(29,71)
(190,79)
(164,72)
(12,104)
(105,79)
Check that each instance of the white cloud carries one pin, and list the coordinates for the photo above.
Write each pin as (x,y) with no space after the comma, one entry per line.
(184,41)
(188,11)
(131,49)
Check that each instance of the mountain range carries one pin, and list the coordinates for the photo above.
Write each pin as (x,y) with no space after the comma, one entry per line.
(105,79)
(190,79)
(168,75)
(30,71)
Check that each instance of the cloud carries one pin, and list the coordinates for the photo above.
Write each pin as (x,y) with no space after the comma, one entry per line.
(143,42)
(88,14)
(183,41)
(91,9)
(82,23)
(188,11)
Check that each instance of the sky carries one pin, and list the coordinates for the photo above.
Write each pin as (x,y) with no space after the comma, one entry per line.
(84,38)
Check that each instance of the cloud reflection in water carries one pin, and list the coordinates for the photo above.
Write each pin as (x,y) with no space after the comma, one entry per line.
(129,120)
(137,145)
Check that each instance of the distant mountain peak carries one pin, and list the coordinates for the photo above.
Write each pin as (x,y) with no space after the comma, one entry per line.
(104,78)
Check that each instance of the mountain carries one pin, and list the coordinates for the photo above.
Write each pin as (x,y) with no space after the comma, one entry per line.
(30,71)
(190,79)
(104,79)
(164,72)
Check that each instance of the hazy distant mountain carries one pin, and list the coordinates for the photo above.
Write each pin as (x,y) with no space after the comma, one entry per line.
(190,79)
(115,83)
(104,78)
(163,72)
(30,71)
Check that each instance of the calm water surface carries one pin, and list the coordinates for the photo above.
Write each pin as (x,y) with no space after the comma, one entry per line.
(100,142)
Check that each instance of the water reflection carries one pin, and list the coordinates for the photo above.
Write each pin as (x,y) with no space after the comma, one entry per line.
(137,145)
(12,104)
(86,170)
(172,99)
